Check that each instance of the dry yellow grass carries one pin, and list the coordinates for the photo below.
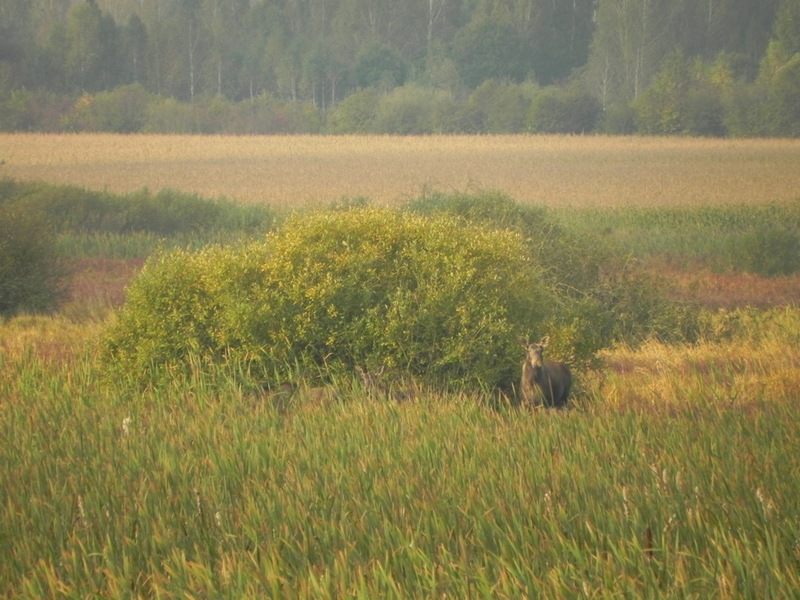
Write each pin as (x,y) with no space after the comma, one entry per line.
(728,374)
(51,339)
(300,170)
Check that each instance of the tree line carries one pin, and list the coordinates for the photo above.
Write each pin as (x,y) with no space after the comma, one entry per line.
(698,67)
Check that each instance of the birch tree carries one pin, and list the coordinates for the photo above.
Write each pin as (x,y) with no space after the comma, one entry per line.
(631,38)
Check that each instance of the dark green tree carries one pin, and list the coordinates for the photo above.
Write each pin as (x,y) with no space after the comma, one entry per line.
(492,48)
(780,71)
(703,111)
(740,28)
(92,58)
(785,98)
(746,110)
(560,32)
(659,108)
(379,66)
(787,27)
(134,51)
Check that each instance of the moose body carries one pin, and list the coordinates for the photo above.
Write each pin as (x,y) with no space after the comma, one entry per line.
(542,382)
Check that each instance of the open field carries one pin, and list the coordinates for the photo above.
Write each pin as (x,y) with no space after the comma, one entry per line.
(307,170)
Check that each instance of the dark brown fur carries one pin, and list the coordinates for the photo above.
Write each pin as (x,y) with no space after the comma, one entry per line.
(543,383)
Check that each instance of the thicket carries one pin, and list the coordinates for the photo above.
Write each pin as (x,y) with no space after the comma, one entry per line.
(603,293)
(431,297)
(442,290)
(31,274)
(41,225)
(420,290)
(167,212)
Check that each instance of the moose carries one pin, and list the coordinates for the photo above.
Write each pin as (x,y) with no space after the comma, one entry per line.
(543,383)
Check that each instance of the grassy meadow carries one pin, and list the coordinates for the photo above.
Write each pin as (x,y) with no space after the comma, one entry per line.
(674,474)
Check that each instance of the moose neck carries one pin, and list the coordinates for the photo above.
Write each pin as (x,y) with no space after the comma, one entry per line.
(535,372)
(538,373)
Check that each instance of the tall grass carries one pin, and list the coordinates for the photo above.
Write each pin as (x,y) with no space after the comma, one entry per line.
(763,239)
(90,223)
(198,489)
(140,244)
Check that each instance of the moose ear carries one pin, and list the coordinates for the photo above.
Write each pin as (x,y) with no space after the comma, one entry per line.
(524,343)
(544,341)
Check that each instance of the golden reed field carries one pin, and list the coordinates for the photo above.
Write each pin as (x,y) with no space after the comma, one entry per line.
(287,171)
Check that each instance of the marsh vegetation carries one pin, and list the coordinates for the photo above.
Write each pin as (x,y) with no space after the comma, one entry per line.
(155,448)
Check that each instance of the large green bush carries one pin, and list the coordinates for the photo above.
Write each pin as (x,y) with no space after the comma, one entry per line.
(497,107)
(433,297)
(121,110)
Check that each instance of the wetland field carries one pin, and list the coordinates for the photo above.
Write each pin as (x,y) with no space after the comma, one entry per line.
(674,473)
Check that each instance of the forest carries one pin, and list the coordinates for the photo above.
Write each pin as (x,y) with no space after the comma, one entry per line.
(654,67)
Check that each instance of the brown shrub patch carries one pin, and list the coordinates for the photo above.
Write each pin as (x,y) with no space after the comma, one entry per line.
(97,285)
(732,290)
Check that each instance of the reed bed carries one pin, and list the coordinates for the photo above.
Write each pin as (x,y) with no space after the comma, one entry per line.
(759,238)
(297,171)
(200,490)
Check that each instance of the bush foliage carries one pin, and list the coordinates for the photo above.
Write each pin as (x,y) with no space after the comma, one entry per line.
(602,296)
(428,296)
(31,275)
(442,290)
(556,110)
